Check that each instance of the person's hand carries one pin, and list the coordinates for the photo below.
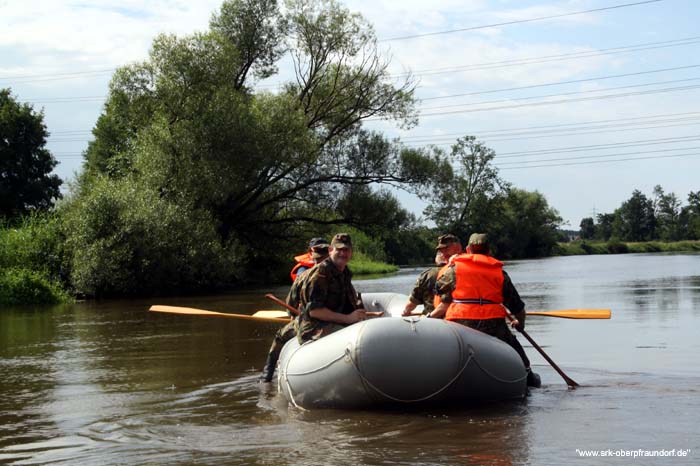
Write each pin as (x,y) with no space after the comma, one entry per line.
(518,323)
(406,311)
(356,316)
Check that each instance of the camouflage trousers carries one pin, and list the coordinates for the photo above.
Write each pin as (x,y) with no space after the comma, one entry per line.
(499,329)
(282,336)
(309,330)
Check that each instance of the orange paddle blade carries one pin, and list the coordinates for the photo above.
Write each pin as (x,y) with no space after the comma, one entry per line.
(265,316)
(575,313)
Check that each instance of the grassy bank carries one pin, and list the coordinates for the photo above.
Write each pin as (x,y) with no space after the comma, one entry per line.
(362,265)
(575,248)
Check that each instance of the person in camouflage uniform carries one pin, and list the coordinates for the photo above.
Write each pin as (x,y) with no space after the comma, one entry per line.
(496,327)
(318,249)
(329,302)
(424,289)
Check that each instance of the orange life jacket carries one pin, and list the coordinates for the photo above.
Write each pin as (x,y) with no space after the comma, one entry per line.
(478,292)
(303,260)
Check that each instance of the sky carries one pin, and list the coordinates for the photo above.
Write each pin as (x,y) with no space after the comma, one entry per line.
(582,100)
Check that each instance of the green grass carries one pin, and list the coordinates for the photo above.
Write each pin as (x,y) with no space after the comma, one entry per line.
(362,265)
(619,247)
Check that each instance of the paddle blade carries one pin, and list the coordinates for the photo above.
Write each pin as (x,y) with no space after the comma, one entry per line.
(201,312)
(575,313)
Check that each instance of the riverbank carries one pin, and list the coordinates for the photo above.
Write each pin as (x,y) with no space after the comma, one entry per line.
(583,247)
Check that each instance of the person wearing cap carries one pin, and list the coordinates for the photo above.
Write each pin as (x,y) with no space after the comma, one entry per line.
(318,251)
(449,246)
(475,291)
(329,302)
(306,261)
(424,289)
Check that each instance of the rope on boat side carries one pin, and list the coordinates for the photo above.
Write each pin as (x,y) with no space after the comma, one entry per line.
(496,378)
(348,354)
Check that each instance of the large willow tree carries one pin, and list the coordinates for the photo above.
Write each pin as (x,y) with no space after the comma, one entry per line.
(198,125)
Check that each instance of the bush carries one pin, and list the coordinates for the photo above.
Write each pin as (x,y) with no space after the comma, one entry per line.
(617,247)
(35,243)
(23,286)
(124,239)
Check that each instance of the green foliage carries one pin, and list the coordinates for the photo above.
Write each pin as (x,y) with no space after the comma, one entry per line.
(587,228)
(34,243)
(525,227)
(124,239)
(361,264)
(25,164)
(615,246)
(24,286)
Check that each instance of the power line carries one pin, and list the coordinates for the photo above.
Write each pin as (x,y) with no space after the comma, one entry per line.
(521,162)
(561,94)
(560,150)
(520,21)
(577,133)
(601,161)
(567,126)
(558,57)
(561,83)
(556,102)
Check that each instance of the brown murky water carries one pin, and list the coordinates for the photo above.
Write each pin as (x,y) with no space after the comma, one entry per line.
(109,383)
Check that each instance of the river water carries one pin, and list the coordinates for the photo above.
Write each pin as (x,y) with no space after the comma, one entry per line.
(102,383)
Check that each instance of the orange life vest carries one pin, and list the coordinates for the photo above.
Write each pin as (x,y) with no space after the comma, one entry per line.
(478,292)
(303,260)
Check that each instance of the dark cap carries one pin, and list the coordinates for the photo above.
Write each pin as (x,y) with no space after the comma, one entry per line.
(446,240)
(341,240)
(318,243)
(478,242)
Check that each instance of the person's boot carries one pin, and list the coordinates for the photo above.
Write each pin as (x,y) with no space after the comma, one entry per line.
(533,379)
(269,370)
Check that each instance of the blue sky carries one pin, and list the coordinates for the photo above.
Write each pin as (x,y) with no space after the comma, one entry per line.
(59,55)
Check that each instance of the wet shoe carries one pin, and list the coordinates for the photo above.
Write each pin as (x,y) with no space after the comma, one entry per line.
(533,379)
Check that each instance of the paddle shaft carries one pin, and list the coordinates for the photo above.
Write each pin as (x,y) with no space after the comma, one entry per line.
(569,381)
(272,297)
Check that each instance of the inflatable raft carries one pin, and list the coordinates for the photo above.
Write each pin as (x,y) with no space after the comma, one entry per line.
(399,361)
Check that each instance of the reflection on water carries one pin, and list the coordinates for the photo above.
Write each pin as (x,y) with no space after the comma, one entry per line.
(108,383)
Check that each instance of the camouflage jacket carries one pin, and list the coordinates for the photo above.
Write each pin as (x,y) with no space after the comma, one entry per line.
(424,289)
(325,286)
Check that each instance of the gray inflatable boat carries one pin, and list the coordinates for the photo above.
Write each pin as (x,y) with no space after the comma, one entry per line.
(399,361)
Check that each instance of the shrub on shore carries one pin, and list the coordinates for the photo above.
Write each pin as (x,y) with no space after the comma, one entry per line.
(23,286)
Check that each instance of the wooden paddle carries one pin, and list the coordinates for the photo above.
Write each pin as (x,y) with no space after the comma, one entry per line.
(566,313)
(272,297)
(569,381)
(265,316)
(574,313)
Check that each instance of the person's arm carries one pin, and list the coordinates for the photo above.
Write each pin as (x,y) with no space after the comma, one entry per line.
(512,301)
(325,314)
(444,286)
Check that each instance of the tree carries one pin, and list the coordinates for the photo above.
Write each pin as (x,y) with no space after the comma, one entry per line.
(587,228)
(691,214)
(463,200)
(26,183)
(604,226)
(525,226)
(187,125)
(667,212)
(635,220)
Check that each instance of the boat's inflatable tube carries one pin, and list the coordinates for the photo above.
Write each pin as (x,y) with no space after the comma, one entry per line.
(397,360)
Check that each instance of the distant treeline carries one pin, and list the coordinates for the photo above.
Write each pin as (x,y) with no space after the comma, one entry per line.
(662,217)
